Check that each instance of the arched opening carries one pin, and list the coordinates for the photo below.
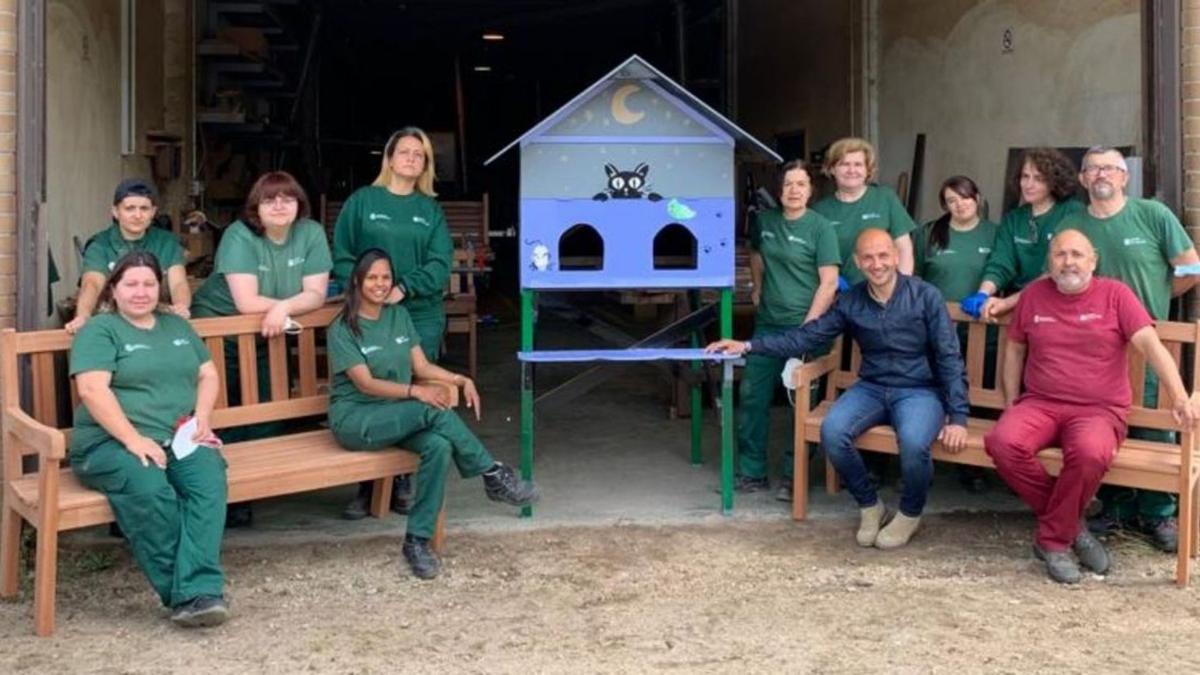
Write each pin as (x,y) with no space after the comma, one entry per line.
(675,248)
(581,248)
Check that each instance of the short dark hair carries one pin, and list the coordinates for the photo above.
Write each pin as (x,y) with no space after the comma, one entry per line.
(268,186)
(134,187)
(135,258)
(939,230)
(791,165)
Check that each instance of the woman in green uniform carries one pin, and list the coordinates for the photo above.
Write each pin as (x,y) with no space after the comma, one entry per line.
(138,370)
(375,353)
(135,203)
(398,213)
(950,254)
(857,205)
(274,261)
(794,266)
(1046,181)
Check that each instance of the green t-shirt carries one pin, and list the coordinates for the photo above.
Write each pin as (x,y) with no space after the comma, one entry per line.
(877,208)
(791,250)
(1136,247)
(154,373)
(957,269)
(280,268)
(1022,242)
(411,229)
(385,347)
(108,246)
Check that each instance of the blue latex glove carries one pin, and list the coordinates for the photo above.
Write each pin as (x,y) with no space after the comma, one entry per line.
(1189,270)
(843,285)
(973,304)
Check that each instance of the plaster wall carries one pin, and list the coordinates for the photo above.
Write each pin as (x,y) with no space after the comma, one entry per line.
(1073,77)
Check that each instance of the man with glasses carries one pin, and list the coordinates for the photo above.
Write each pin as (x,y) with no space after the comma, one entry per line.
(1138,242)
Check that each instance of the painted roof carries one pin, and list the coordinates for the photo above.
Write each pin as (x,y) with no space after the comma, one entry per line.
(636,68)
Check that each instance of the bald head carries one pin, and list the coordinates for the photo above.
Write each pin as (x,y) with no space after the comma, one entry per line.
(873,238)
(1072,261)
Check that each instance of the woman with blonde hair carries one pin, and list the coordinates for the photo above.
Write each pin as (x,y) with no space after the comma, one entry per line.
(857,204)
(399,214)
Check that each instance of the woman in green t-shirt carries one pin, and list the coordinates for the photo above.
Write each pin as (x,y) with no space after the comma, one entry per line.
(275,261)
(399,214)
(139,369)
(794,266)
(857,205)
(951,254)
(375,354)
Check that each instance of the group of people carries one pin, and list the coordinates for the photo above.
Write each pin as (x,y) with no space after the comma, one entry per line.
(142,371)
(1081,282)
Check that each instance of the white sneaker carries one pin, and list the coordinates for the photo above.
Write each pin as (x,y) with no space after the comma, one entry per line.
(870,520)
(898,532)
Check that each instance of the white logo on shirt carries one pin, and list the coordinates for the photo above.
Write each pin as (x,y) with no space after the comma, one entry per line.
(1038,318)
(402,339)
(1090,316)
(1019,240)
(947,251)
(871,215)
(1135,241)
(264,268)
(111,265)
(419,219)
(378,216)
(768,235)
(135,347)
(370,348)
(292,262)
(796,240)
(984,250)
(179,342)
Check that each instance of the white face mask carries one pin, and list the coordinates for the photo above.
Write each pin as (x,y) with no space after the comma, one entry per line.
(789,373)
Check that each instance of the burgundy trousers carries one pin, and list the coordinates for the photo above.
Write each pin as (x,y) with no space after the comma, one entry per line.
(1089,437)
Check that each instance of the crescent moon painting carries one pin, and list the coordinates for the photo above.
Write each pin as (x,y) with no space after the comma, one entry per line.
(620,111)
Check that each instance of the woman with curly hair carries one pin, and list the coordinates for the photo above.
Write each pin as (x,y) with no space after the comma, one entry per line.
(1046,181)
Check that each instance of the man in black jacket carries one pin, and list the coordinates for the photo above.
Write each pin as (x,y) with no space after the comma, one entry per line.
(912,377)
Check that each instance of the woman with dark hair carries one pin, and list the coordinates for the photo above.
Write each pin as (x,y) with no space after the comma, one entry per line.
(794,262)
(138,370)
(951,254)
(953,250)
(274,261)
(1046,181)
(375,354)
(399,214)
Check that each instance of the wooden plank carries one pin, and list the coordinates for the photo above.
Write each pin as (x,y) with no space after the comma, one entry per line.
(277,361)
(307,356)
(216,349)
(45,389)
(248,369)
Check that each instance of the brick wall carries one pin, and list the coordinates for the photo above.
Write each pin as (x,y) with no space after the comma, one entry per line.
(8,162)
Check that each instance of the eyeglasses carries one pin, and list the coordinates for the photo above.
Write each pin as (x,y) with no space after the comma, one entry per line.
(1094,170)
(279,200)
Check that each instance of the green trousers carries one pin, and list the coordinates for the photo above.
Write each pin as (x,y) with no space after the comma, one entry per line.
(431,328)
(1125,503)
(760,380)
(438,436)
(173,519)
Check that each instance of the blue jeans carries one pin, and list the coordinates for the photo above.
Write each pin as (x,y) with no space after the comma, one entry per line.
(917,415)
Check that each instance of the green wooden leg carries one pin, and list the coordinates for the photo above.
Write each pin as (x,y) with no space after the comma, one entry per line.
(726,406)
(527,321)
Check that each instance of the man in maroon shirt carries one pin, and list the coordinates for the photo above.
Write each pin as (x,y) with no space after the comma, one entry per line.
(1074,328)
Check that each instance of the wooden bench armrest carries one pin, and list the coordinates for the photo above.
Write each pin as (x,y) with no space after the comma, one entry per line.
(50,443)
(811,370)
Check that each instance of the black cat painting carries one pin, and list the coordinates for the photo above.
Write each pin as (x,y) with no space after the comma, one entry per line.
(626,184)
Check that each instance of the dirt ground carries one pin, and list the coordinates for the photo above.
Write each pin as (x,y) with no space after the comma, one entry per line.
(733,596)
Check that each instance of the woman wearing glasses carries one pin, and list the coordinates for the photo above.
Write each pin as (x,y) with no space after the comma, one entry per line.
(399,215)
(275,262)
(1046,181)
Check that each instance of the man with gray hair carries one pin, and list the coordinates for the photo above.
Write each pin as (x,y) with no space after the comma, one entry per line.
(1138,241)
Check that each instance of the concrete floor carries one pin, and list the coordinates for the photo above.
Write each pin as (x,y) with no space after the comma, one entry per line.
(611,457)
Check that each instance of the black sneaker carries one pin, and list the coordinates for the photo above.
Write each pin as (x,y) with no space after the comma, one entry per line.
(784,492)
(401,488)
(745,485)
(1091,552)
(1059,565)
(239,515)
(421,559)
(201,612)
(360,506)
(1104,524)
(502,485)
(1163,533)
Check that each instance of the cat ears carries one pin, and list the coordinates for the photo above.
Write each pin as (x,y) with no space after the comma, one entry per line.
(610,170)
(641,169)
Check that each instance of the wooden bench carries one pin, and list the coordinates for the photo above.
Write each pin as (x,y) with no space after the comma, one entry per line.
(468,224)
(1166,467)
(51,499)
